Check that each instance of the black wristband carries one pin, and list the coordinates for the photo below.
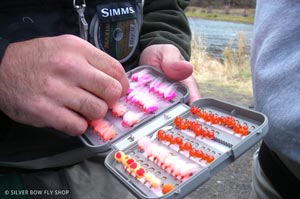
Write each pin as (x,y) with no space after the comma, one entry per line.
(3,45)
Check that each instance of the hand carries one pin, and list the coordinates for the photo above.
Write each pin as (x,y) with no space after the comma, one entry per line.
(169,59)
(59,82)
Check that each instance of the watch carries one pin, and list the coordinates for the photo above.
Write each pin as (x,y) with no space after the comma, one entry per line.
(3,45)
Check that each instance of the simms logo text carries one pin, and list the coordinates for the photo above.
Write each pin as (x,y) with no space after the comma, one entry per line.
(106,12)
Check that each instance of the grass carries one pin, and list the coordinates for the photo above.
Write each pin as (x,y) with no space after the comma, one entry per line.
(233,15)
(228,80)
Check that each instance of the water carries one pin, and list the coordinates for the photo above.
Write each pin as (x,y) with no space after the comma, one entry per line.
(216,35)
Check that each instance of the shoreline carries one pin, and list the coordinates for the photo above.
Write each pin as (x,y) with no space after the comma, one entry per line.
(235,14)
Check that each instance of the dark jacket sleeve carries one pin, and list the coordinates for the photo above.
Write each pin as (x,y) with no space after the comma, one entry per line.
(3,45)
(166,23)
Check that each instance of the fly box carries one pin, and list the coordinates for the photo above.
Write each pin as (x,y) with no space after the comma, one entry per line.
(172,148)
(149,95)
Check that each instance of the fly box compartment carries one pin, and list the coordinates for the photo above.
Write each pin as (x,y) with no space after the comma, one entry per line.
(150,94)
(183,147)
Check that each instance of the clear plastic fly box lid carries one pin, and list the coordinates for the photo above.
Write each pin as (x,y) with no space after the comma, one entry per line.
(183,147)
(150,93)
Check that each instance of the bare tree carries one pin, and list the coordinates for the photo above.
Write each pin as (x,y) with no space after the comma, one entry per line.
(227,6)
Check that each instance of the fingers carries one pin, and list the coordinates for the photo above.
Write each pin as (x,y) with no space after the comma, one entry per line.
(77,100)
(108,65)
(78,72)
(87,105)
(74,80)
(100,84)
(45,113)
(81,53)
(66,121)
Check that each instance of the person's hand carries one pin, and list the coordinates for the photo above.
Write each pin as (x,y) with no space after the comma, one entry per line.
(60,82)
(169,59)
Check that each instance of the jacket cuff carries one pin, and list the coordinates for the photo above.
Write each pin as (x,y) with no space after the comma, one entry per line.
(3,45)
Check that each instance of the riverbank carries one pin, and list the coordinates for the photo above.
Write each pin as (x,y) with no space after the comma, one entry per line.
(229,80)
(232,15)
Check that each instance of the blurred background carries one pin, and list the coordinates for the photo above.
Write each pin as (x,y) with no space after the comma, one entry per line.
(222,33)
(221,47)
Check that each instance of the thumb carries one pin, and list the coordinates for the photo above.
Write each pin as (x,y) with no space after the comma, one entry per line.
(174,65)
(169,59)
(176,69)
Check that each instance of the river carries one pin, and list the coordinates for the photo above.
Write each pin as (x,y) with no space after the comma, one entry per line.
(216,35)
